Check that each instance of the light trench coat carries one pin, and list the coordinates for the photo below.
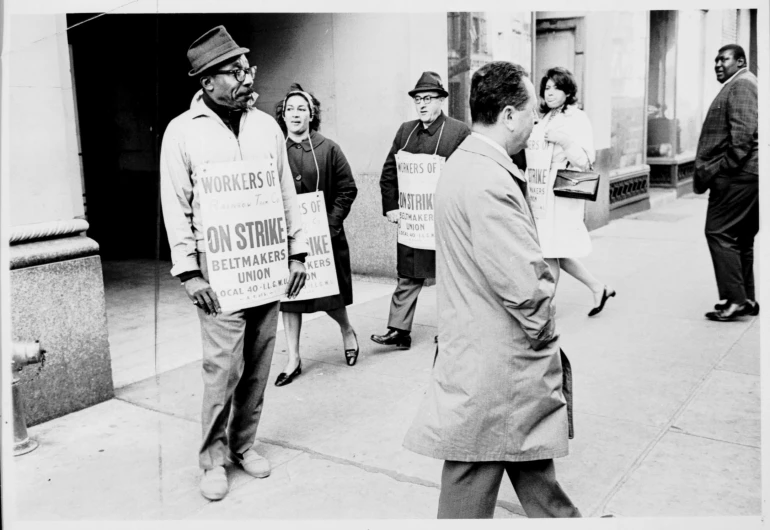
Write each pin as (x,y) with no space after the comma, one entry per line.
(495,392)
(563,234)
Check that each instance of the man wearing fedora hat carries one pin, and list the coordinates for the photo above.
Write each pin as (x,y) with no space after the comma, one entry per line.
(433,133)
(223,126)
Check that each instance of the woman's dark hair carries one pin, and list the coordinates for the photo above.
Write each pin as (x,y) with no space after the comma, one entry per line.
(315,108)
(494,86)
(564,81)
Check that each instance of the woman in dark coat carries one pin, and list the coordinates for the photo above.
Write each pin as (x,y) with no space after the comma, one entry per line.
(318,161)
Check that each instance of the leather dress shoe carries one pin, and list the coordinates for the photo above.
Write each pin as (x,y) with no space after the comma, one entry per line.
(214,483)
(284,378)
(395,337)
(721,305)
(751,308)
(728,314)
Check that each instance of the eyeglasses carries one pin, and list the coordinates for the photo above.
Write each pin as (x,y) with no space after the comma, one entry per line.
(240,73)
(426,99)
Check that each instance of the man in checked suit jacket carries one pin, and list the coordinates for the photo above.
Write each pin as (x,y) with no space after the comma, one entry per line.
(727,163)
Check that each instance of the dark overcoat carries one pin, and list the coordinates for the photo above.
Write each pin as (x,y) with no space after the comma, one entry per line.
(418,263)
(339,188)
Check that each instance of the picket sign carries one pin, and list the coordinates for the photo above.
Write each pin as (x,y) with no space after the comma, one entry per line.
(245,232)
(321,272)
(539,183)
(418,176)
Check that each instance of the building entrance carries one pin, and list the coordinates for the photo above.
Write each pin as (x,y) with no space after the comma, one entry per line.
(130,79)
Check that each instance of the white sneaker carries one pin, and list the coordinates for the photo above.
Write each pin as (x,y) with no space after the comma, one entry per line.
(214,483)
(252,463)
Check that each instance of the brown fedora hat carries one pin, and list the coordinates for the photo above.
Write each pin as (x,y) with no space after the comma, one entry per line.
(213,47)
(429,81)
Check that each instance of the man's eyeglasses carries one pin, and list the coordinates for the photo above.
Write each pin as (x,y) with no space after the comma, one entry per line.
(426,99)
(240,73)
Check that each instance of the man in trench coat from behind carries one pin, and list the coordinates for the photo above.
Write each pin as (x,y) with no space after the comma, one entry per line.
(495,401)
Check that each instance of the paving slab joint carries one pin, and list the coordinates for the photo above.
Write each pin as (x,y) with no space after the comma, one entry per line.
(400,477)
(602,508)
(511,507)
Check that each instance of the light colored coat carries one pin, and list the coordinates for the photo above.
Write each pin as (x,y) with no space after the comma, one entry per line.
(495,392)
(197,137)
(563,233)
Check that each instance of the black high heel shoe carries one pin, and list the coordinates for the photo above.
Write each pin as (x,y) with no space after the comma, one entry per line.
(351,356)
(284,379)
(605,296)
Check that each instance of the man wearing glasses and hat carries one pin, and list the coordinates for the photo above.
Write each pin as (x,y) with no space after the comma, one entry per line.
(414,160)
(223,127)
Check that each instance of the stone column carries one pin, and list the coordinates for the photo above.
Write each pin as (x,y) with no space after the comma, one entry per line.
(57,290)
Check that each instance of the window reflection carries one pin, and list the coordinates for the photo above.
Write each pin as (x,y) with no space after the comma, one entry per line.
(477,38)
(675,84)
(661,124)
(689,78)
(629,40)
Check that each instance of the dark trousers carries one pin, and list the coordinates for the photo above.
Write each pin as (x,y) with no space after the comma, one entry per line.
(469,489)
(404,302)
(732,222)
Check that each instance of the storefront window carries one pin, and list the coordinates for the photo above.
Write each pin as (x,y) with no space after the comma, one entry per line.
(628,66)
(689,80)
(477,38)
(661,111)
(674,115)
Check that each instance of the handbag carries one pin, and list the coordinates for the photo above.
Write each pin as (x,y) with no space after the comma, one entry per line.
(576,184)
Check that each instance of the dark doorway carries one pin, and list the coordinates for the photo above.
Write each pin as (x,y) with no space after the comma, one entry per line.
(130,75)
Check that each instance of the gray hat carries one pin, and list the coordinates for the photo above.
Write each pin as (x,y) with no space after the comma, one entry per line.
(213,47)
(429,82)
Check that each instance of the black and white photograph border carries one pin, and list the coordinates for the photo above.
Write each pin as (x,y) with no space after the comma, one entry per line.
(103,389)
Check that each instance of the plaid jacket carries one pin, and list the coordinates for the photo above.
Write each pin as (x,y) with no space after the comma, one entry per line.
(728,143)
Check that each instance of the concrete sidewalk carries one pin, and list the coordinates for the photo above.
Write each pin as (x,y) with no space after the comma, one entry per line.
(667,409)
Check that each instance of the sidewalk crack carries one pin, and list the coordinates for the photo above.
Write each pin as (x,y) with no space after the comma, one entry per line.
(153,409)
(694,435)
(395,475)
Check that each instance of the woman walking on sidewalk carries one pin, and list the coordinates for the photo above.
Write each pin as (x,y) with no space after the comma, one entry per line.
(561,230)
(317,163)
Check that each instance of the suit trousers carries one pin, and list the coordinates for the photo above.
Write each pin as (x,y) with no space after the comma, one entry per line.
(469,489)
(404,302)
(732,221)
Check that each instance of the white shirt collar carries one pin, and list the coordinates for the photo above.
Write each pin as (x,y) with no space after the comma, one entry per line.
(491,142)
(736,73)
